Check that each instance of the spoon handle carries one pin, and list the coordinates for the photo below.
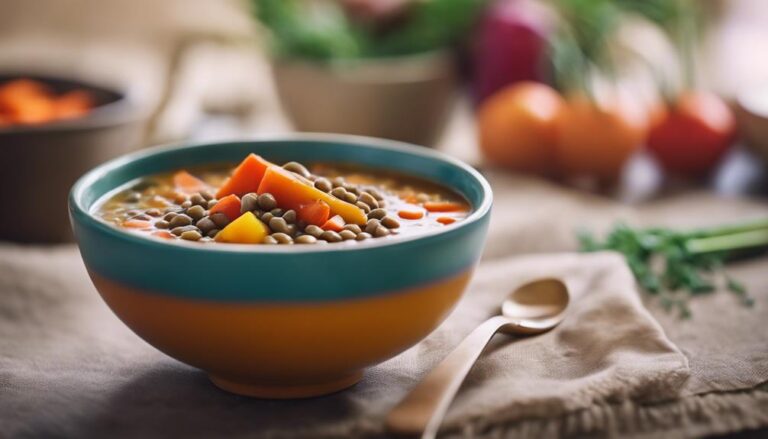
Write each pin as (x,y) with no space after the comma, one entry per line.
(422,411)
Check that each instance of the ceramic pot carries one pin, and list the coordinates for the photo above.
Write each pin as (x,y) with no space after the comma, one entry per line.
(405,98)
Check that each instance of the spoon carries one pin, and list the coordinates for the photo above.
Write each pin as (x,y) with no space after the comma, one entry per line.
(533,308)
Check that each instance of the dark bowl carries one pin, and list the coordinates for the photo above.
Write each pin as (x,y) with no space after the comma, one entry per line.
(41,162)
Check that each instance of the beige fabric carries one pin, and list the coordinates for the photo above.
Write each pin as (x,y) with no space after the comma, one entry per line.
(69,368)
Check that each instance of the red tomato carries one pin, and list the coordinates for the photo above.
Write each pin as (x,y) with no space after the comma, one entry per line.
(692,136)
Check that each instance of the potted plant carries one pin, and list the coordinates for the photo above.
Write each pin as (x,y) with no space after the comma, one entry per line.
(380,68)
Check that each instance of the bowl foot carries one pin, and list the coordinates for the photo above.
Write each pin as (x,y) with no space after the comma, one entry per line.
(285,391)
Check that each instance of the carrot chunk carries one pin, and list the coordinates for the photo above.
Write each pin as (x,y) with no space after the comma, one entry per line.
(188,183)
(229,206)
(445,206)
(335,224)
(245,178)
(410,214)
(136,224)
(163,234)
(32,110)
(291,193)
(445,220)
(316,212)
(73,104)
(410,198)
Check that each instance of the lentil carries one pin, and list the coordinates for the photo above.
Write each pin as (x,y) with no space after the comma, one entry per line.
(179,230)
(390,223)
(313,230)
(346,235)
(279,225)
(282,238)
(297,168)
(323,184)
(198,200)
(180,220)
(369,199)
(305,239)
(206,225)
(290,216)
(191,235)
(339,193)
(330,236)
(219,219)
(269,240)
(371,225)
(354,228)
(196,212)
(132,197)
(377,213)
(267,202)
(249,203)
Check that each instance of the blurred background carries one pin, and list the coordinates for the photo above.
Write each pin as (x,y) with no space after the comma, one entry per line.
(627,99)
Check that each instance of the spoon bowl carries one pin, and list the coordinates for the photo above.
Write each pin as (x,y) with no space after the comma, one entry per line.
(535,307)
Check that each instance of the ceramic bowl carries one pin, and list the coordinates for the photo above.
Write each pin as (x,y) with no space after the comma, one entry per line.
(406,98)
(282,321)
(41,162)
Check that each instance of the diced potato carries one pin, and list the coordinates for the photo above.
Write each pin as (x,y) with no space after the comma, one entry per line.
(247,229)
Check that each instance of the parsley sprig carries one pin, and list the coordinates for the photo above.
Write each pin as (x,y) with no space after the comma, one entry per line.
(677,265)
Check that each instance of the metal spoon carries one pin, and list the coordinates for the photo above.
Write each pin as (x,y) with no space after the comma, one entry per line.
(533,308)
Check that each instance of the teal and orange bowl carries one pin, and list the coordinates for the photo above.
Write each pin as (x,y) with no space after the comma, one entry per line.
(282,321)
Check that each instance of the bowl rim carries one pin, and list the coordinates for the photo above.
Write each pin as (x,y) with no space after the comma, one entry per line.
(78,190)
(123,110)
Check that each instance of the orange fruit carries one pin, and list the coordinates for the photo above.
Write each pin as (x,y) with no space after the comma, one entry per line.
(597,140)
(517,127)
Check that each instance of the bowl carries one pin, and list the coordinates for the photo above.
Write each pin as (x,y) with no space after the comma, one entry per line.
(406,98)
(41,162)
(282,321)
(752,117)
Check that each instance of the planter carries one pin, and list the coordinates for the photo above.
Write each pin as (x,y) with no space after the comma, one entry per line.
(405,98)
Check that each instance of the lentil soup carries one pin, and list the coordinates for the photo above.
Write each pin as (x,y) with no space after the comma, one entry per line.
(257,202)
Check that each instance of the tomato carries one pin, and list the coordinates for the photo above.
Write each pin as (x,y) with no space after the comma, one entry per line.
(517,127)
(597,140)
(691,136)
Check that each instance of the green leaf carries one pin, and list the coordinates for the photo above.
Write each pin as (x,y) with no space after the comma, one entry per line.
(322,30)
(683,273)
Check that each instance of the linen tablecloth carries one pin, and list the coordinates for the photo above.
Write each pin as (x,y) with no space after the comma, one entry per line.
(616,366)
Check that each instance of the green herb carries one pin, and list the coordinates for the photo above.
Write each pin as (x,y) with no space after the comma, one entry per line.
(677,265)
(322,30)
